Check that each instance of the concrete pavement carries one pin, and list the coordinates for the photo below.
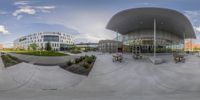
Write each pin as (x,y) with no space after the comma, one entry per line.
(131,79)
(44,60)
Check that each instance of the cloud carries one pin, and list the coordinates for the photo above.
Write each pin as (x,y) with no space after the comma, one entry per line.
(145,3)
(45,27)
(31,10)
(91,26)
(193,16)
(3,30)
(21,2)
(2,12)
(19,17)
(89,23)
(24,9)
(45,9)
(197,29)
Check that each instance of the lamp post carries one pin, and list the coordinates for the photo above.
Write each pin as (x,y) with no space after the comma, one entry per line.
(154,38)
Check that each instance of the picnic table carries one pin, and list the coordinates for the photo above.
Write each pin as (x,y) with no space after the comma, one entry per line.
(179,58)
(137,56)
(117,57)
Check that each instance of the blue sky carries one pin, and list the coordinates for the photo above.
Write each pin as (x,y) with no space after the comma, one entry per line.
(86,19)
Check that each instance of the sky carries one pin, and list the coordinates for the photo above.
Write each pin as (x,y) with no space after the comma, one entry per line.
(85,19)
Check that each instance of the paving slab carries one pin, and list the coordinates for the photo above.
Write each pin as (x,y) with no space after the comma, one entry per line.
(131,79)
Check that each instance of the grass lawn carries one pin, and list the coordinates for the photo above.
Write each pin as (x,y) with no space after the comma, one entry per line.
(75,51)
(41,53)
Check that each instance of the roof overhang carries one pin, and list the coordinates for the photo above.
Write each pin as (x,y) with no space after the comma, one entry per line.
(137,19)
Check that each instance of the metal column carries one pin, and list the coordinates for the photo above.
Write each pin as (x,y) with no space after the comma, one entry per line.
(154,38)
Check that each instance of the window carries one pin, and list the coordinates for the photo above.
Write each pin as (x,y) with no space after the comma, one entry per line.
(51,38)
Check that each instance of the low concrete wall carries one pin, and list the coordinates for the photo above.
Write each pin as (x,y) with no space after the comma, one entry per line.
(156,60)
(1,63)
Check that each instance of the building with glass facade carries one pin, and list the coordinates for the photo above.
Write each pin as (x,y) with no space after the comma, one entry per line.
(110,46)
(148,27)
(58,40)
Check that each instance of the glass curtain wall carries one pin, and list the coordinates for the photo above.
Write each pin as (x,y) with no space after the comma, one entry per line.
(166,42)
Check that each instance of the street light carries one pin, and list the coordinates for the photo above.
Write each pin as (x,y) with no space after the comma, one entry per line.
(154,38)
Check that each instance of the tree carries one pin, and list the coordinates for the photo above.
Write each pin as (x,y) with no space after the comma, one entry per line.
(196,48)
(29,48)
(48,46)
(33,46)
(42,48)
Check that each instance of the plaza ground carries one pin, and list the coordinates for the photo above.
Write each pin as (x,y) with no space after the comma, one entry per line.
(44,60)
(131,79)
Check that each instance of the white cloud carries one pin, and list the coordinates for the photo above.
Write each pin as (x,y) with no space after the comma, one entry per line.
(145,3)
(197,29)
(91,24)
(193,16)
(45,7)
(19,17)
(24,9)
(3,30)
(31,10)
(21,2)
(192,13)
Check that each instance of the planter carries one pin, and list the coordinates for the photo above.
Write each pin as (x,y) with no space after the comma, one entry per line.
(80,68)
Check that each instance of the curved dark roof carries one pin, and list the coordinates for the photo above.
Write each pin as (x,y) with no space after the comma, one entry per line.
(167,20)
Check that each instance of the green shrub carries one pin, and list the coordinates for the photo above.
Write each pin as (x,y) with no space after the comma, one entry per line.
(85,65)
(77,60)
(82,58)
(86,56)
(12,57)
(75,51)
(93,57)
(41,53)
(69,63)
(89,60)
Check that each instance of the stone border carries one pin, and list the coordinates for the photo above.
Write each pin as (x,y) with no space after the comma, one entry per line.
(91,66)
(2,66)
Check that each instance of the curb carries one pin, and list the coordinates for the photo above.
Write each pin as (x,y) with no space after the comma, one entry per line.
(2,67)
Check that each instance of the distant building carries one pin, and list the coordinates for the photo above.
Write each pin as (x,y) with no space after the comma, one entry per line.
(91,45)
(87,46)
(191,46)
(110,46)
(58,40)
(1,46)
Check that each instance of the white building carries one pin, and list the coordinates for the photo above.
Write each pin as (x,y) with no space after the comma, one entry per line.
(58,40)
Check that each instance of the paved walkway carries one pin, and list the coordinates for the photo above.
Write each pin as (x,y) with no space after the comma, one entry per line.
(131,79)
(44,60)
(26,75)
